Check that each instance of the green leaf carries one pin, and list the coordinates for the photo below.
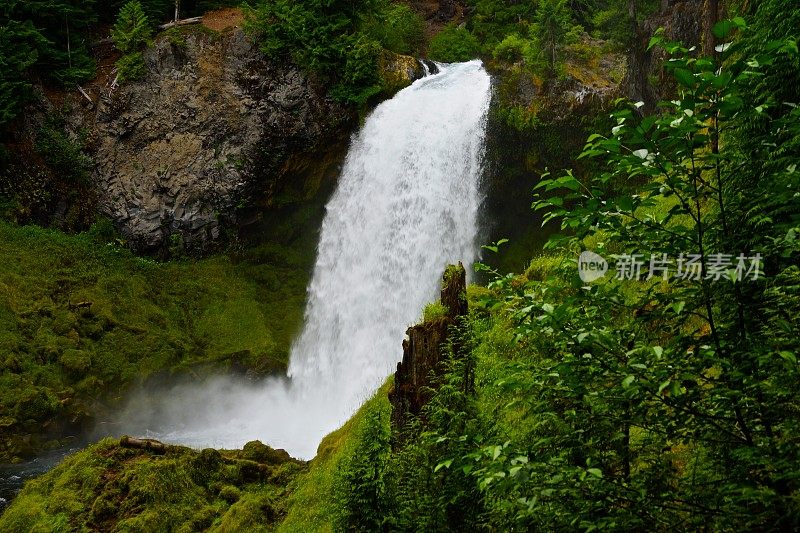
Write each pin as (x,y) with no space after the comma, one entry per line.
(443,464)
(685,77)
(627,381)
(658,350)
(723,28)
(596,472)
(789,356)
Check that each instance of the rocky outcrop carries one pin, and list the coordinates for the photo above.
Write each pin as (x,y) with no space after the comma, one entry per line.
(646,80)
(214,125)
(399,71)
(424,352)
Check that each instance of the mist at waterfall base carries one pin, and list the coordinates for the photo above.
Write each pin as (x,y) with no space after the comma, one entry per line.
(405,207)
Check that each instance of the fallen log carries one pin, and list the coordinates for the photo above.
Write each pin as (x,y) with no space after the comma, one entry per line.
(85,94)
(184,22)
(151,445)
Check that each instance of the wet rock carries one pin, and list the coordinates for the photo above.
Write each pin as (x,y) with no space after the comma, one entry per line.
(399,71)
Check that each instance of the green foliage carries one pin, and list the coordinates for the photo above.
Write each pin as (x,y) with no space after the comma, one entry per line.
(131,33)
(656,403)
(358,79)
(157,11)
(131,67)
(424,490)
(44,36)
(453,44)
(396,27)
(63,154)
(359,486)
(611,20)
(491,21)
(433,311)
(20,43)
(551,23)
(319,499)
(512,48)
(327,38)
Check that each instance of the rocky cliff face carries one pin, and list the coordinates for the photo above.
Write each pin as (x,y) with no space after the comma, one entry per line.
(214,125)
(424,353)
(213,133)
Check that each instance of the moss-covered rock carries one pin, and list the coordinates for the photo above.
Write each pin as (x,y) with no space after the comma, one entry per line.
(109,487)
(398,71)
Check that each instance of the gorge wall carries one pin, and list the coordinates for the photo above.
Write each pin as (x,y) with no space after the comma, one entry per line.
(212,135)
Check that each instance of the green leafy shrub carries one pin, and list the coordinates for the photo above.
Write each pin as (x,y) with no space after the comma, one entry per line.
(358,80)
(492,21)
(396,27)
(648,395)
(63,154)
(131,67)
(359,487)
(322,37)
(131,33)
(453,44)
(512,48)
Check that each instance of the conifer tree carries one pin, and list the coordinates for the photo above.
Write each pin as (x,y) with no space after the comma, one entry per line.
(131,33)
(19,49)
(551,24)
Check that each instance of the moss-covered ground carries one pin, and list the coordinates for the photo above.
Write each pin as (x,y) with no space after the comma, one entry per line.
(82,319)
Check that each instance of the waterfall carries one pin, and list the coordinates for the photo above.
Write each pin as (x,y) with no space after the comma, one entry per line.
(406,206)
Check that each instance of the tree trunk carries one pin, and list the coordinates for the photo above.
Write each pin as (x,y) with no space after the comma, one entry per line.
(177,10)
(711,17)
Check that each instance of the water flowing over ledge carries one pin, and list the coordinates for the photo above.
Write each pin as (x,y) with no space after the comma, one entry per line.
(406,205)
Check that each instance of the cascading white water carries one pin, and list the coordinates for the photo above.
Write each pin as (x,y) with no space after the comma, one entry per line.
(406,206)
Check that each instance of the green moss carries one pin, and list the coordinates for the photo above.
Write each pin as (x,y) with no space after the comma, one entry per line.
(110,488)
(80,318)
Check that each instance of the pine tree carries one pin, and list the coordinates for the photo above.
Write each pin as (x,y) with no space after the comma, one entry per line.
(20,43)
(551,24)
(64,24)
(131,33)
(132,30)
